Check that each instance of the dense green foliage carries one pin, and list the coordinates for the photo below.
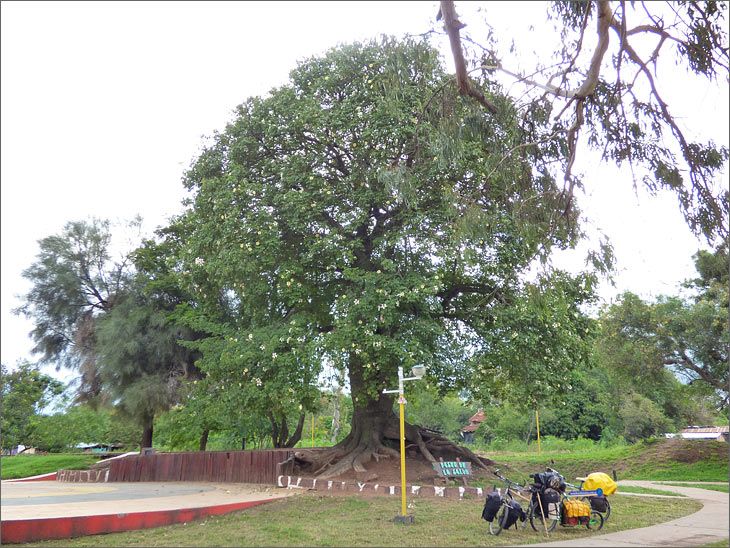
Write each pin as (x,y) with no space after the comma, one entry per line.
(140,362)
(63,431)
(364,217)
(92,315)
(25,392)
(689,336)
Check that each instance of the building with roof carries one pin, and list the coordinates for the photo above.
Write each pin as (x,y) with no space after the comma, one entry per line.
(467,433)
(706,433)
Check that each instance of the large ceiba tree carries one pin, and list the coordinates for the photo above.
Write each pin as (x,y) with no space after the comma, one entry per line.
(366,216)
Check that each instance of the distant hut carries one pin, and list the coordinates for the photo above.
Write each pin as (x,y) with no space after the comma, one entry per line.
(467,433)
(719,433)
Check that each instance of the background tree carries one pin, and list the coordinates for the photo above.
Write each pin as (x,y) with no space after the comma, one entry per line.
(25,392)
(64,430)
(690,337)
(74,281)
(642,418)
(91,314)
(140,360)
(605,88)
(366,216)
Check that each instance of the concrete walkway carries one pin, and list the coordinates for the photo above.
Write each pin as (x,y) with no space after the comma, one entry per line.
(710,524)
(52,499)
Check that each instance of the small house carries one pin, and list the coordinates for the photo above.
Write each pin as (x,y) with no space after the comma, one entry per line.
(97,447)
(467,433)
(720,433)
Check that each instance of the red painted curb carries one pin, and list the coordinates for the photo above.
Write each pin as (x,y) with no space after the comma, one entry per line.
(28,530)
(51,476)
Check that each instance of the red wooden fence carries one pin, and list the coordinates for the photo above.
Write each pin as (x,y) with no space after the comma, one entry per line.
(220,466)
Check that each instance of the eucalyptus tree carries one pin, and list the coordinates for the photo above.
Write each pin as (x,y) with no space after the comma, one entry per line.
(610,86)
(365,216)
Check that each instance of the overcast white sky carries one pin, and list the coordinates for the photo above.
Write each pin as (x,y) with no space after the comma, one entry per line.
(105,103)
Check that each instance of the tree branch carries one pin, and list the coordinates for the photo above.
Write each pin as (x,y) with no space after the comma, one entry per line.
(452,26)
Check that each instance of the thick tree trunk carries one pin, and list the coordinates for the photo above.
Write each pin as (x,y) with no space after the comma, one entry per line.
(336,418)
(297,435)
(147,429)
(375,434)
(204,440)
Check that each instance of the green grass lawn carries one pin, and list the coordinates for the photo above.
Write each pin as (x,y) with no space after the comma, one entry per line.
(710,486)
(718,544)
(647,491)
(22,466)
(321,520)
(663,460)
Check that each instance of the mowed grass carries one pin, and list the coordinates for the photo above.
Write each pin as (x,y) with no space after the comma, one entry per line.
(319,520)
(22,466)
(647,491)
(710,486)
(663,460)
(718,544)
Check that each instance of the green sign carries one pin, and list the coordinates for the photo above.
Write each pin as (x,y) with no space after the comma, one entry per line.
(452,469)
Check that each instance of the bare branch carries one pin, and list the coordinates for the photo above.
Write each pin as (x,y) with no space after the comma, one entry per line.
(452,25)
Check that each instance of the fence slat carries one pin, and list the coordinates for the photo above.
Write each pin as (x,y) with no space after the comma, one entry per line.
(217,466)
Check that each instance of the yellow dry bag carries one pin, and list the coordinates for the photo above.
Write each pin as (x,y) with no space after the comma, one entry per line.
(600,480)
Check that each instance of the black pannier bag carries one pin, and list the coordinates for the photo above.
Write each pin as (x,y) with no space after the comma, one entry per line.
(515,513)
(543,480)
(550,499)
(599,504)
(491,505)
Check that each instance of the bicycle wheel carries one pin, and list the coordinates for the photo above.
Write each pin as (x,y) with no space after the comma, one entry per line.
(499,521)
(595,521)
(605,514)
(551,520)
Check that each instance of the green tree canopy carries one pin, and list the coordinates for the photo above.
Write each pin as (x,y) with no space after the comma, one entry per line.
(366,216)
(140,361)
(74,281)
(689,336)
(25,392)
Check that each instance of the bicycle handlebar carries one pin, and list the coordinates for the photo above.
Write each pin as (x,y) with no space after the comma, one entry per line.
(509,482)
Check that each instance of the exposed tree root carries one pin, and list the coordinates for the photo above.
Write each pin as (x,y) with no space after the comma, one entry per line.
(366,444)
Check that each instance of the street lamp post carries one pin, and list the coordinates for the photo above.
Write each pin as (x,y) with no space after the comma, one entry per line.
(418,372)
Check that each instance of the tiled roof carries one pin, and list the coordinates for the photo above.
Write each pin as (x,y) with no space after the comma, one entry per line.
(706,430)
(470,428)
(477,417)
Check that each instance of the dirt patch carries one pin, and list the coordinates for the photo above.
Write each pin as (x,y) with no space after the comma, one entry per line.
(387,472)
(680,450)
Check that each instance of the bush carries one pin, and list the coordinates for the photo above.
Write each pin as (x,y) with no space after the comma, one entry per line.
(642,418)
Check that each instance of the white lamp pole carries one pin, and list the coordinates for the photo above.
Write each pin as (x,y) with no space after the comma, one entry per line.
(418,372)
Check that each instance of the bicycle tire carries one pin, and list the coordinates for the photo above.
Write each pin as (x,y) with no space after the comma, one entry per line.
(595,521)
(536,520)
(497,524)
